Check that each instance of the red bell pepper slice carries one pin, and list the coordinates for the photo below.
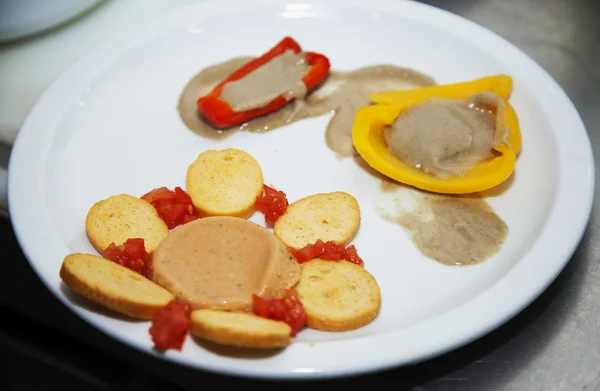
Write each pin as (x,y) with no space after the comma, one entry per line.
(221,115)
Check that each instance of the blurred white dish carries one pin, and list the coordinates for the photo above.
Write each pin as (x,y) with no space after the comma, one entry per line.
(20,18)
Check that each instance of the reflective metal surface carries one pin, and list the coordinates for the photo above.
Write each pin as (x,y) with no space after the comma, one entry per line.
(552,345)
(555,343)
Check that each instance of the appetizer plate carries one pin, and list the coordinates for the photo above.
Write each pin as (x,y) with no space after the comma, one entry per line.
(110,125)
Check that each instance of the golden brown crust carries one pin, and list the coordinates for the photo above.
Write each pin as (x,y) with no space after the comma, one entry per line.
(239,329)
(113,286)
(121,217)
(338,295)
(326,216)
(224,183)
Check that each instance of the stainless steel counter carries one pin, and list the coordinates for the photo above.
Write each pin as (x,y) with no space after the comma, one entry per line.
(555,343)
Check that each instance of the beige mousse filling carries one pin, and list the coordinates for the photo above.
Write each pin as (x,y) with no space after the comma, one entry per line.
(446,137)
(219,262)
(282,75)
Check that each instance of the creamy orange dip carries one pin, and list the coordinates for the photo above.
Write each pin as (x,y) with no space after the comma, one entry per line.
(219,262)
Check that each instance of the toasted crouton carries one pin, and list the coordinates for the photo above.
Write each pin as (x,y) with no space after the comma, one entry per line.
(239,329)
(113,286)
(338,295)
(123,217)
(326,216)
(224,183)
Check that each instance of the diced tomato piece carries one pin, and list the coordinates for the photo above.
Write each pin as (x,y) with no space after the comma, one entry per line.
(174,207)
(172,213)
(131,254)
(308,252)
(182,197)
(330,251)
(288,309)
(272,203)
(170,326)
(351,255)
(318,247)
(157,195)
(333,251)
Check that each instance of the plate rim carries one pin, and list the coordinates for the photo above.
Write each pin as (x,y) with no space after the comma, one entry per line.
(19,212)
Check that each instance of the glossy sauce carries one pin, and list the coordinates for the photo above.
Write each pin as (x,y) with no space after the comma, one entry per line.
(342,93)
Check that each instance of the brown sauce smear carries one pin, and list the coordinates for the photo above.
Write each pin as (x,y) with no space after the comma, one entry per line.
(219,262)
(342,93)
(453,230)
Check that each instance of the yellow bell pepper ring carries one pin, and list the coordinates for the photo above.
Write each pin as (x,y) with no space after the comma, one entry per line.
(371,121)
(500,84)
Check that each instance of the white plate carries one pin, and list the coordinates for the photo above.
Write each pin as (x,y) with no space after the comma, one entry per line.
(110,125)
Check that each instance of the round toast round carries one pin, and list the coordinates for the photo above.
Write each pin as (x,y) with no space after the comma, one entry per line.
(327,216)
(224,183)
(239,329)
(338,295)
(121,217)
(113,286)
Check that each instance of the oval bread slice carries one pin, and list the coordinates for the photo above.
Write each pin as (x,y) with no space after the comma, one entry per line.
(326,216)
(338,295)
(224,183)
(239,329)
(113,286)
(122,217)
